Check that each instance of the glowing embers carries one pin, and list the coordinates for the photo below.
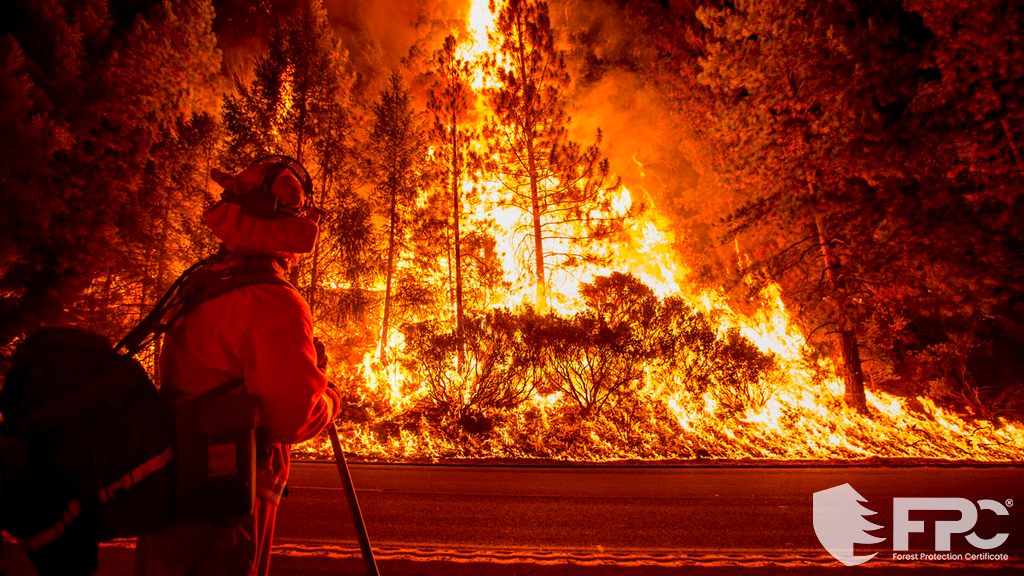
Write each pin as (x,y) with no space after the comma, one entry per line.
(792,410)
(801,417)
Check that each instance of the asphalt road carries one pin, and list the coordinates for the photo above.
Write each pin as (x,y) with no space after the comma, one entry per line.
(599,520)
(619,520)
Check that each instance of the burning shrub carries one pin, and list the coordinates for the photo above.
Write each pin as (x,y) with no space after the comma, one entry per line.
(729,366)
(497,374)
(599,354)
(621,300)
(588,361)
(598,359)
(742,373)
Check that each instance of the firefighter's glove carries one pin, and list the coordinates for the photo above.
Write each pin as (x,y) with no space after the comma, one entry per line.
(321,355)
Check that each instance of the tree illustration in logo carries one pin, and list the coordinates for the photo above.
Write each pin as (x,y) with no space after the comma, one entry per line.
(839,523)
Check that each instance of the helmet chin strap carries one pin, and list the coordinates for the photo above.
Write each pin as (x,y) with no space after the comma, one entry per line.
(243,233)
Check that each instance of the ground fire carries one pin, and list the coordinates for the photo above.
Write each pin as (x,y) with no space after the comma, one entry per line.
(788,407)
(497,276)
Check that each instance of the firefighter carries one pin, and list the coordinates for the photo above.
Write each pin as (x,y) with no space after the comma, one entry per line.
(261,333)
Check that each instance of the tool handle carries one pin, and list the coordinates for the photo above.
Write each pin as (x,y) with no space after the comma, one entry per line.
(353,502)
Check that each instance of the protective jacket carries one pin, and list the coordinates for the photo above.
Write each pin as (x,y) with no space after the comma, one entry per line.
(263,334)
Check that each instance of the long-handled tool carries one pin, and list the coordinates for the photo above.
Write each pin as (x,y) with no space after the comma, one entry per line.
(353,503)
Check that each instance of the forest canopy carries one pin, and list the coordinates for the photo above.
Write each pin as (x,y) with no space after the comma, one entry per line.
(589,206)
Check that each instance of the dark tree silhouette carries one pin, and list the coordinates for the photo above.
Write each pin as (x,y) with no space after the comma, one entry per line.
(557,183)
(451,104)
(396,154)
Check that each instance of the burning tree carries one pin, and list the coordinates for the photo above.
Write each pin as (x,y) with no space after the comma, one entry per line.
(955,322)
(170,231)
(560,185)
(829,130)
(396,157)
(297,95)
(788,142)
(450,102)
(297,105)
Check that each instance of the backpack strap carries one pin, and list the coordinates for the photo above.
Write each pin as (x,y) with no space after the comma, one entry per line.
(204,280)
(216,279)
(146,330)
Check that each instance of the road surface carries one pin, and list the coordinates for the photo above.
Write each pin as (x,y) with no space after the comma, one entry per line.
(620,520)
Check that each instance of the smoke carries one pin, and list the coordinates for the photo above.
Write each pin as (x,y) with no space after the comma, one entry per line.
(378,35)
(615,93)
(638,137)
(383,35)
(608,58)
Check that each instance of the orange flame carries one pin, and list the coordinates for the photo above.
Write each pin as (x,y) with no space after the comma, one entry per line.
(802,415)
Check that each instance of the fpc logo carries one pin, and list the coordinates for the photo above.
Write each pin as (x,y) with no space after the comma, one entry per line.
(840,523)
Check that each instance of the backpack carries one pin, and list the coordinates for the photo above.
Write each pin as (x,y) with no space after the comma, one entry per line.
(91,452)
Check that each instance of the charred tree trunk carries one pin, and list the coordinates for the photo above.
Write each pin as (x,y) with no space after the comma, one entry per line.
(392,224)
(108,291)
(456,183)
(314,261)
(528,126)
(538,238)
(849,349)
(449,251)
(853,375)
(161,285)
(294,272)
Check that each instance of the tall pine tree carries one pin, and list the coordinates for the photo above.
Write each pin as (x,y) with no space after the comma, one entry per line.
(800,96)
(297,105)
(111,112)
(559,185)
(396,152)
(451,104)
